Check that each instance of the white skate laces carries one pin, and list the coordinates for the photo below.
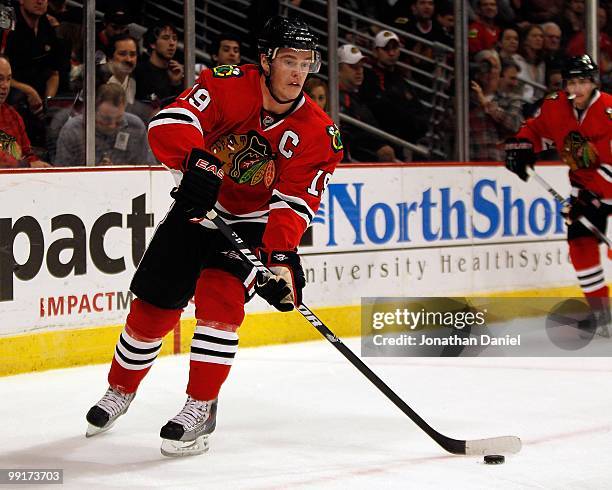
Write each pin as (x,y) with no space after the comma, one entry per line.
(194,413)
(114,401)
(187,433)
(103,414)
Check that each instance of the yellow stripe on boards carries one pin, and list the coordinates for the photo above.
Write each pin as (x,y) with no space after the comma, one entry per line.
(76,347)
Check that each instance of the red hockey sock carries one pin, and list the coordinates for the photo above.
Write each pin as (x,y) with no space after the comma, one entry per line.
(220,311)
(139,344)
(584,252)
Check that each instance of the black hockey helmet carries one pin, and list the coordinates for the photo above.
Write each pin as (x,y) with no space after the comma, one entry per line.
(580,67)
(282,32)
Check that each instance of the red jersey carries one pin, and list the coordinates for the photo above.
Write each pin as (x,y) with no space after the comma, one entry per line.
(584,137)
(482,36)
(276,167)
(15,149)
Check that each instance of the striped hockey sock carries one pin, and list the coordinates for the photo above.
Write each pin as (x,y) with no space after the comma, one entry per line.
(212,355)
(132,361)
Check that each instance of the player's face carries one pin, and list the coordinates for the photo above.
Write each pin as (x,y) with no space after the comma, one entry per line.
(124,58)
(290,69)
(5,80)
(166,43)
(581,89)
(109,117)
(229,53)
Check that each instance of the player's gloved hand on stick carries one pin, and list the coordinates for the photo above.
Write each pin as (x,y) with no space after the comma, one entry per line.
(519,156)
(198,190)
(586,203)
(283,290)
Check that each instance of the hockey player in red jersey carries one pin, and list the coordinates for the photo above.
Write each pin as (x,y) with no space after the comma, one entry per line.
(246,141)
(579,122)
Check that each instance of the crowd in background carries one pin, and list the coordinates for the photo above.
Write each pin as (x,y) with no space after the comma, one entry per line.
(516,52)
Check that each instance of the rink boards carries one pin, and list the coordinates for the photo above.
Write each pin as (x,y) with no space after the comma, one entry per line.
(71,239)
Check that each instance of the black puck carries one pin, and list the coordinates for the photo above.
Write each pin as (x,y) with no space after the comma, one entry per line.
(494,459)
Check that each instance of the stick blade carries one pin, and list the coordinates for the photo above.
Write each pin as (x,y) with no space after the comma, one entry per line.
(493,445)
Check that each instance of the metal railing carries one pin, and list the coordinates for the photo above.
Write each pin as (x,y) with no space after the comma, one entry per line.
(432,85)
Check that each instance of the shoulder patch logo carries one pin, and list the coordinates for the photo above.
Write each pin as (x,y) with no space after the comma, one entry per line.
(609,112)
(552,96)
(336,138)
(226,71)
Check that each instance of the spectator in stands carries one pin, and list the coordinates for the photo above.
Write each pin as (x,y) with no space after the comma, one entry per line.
(387,93)
(116,21)
(67,21)
(508,44)
(552,45)
(509,83)
(576,46)
(554,83)
(531,60)
(225,49)
(121,137)
(359,144)
(161,76)
(484,33)
(426,27)
(539,11)
(317,90)
(571,21)
(494,115)
(15,149)
(33,50)
(445,16)
(122,58)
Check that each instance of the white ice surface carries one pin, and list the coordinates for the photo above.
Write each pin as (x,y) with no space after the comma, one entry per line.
(300,416)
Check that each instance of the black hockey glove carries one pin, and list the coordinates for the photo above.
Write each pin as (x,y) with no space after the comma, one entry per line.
(519,155)
(283,290)
(198,190)
(586,203)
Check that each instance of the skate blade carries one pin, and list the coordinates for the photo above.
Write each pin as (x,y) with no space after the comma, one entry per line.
(177,449)
(92,430)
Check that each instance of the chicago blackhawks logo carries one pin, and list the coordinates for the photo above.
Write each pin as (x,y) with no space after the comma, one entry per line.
(247,158)
(225,71)
(578,152)
(9,147)
(336,138)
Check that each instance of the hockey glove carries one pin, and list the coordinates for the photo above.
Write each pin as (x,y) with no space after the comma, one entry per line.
(198,190)
(586,203)
(283,290)
(519,155)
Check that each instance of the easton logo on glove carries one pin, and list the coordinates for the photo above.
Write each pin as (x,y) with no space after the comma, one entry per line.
(210,167)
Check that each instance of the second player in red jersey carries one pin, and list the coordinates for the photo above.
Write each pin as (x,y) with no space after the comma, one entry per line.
(579,122)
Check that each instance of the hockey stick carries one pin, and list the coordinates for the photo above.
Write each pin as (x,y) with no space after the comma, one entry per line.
(493,445)
(584,221)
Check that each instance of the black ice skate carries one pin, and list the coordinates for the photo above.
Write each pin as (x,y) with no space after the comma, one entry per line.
(187,433)
(102,415)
